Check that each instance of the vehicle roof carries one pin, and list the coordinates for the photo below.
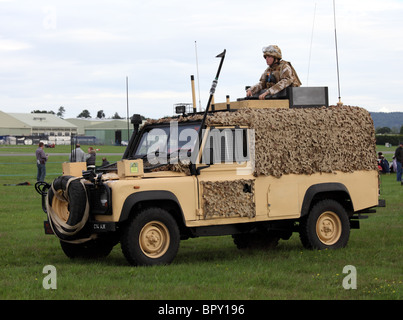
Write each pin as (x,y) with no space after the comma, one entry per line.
(304,140)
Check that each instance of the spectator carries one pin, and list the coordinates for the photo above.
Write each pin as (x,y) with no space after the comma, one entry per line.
(41,159)
(104,162)
(77,155)
(393,166)
(399,162)
(383,164)
(91,158)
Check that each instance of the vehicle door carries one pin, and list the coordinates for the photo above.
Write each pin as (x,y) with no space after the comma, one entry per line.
(225,174)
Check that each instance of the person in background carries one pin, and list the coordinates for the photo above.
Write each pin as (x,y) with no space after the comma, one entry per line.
(91,158)
(383,164)
(77,155)
(41,159)
(104,162)
(399,162)
(393,166)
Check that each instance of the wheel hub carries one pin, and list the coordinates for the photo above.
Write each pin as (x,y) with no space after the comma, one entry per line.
(328,228)
(154,239)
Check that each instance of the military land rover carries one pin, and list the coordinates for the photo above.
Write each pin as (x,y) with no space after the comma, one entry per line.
(258,170)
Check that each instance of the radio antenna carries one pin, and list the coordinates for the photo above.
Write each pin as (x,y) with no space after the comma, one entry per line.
(127,107)
(310,49)
(337,54)
(198,80)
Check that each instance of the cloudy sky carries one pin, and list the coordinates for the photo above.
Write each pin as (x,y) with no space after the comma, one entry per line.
(77,54)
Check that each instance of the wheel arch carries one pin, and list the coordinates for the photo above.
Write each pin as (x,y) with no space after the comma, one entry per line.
(155,198)
(333,190)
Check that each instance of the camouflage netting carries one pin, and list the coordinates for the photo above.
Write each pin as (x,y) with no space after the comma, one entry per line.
(179,119)
(290,141)
(238,202)
(303,141)
(309,140)
(178,167)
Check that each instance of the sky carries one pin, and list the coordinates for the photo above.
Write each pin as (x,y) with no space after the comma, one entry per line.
(78,54)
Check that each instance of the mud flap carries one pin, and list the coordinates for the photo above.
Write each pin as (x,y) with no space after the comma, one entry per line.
(354,224)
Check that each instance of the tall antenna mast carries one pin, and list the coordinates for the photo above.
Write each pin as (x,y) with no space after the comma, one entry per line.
(310,49)
(198,80)
(127,107)
(337,54)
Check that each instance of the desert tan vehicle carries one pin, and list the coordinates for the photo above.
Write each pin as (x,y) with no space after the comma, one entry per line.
(256,170)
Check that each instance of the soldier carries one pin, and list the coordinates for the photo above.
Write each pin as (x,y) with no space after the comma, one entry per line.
(279,75)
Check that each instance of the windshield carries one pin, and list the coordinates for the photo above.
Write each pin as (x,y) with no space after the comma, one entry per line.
(163,143)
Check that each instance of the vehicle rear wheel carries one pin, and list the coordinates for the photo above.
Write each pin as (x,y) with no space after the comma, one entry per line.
(326,226)
(151,238)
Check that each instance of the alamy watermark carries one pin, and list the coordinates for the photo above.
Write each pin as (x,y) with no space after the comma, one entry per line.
(350,280)
(180,144)
(50,280)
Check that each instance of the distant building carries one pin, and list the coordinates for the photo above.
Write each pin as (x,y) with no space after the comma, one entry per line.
(106,131)
(34,126)
(28,128)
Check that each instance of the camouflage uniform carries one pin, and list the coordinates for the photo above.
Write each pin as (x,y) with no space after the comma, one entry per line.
(278,76)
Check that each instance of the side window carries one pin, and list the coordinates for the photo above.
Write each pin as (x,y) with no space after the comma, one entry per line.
(226,145)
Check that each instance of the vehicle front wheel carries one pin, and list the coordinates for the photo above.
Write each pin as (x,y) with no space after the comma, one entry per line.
(151,238)
(92,249)
(325,227)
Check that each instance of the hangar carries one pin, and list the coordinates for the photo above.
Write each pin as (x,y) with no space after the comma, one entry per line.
(29,128)
(35,126)
(105,131)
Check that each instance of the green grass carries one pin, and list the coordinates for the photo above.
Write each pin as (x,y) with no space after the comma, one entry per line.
(205,268)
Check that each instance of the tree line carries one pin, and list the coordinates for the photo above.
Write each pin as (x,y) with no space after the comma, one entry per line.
(83,114)
(387,130)
(386,135)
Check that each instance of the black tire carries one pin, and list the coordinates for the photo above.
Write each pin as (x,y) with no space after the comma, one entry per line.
(92,249)
(150,238)
(327,226)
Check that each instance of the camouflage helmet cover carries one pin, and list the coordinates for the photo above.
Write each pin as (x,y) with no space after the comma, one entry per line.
(272,50)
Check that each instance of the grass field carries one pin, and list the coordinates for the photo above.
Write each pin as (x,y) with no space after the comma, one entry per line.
(205,268)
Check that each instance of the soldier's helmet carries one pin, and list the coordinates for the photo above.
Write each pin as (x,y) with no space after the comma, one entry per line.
(272,50)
